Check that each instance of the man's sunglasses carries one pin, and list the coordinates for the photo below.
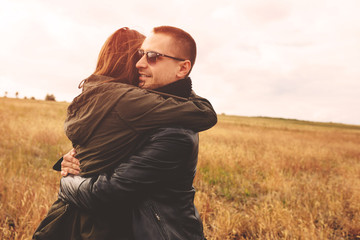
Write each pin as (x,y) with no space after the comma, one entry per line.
(151,56)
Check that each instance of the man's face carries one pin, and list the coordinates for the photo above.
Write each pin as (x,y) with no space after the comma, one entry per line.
(165,70)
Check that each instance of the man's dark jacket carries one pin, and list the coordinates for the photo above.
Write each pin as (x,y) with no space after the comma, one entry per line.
(158,179)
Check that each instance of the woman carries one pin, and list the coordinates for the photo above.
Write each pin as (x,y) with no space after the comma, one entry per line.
(106,123)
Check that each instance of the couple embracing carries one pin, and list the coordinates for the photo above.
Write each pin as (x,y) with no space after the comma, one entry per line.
(134,129)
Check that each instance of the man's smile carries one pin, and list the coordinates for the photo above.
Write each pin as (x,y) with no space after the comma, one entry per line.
(144,75)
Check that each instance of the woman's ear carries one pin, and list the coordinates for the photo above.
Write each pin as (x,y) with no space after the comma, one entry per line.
(184,69)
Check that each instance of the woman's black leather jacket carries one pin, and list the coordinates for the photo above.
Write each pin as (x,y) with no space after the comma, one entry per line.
(157,181)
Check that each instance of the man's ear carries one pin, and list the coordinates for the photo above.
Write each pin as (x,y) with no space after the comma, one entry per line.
(184,69)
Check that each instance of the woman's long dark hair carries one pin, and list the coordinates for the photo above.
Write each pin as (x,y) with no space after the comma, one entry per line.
(118,56)
(117,59)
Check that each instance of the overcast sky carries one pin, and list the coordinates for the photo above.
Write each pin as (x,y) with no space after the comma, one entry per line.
(276,58)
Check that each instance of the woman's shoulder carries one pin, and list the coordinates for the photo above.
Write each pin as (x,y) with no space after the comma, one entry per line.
(105,83)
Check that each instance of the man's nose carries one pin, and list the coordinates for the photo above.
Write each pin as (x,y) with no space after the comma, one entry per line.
(142,63)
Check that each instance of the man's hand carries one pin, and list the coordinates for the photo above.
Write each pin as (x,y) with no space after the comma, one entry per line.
(70,165)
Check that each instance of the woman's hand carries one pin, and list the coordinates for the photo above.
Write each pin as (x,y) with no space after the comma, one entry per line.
(70,165)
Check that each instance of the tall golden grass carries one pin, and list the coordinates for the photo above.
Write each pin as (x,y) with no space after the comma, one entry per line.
(258,178)
(31,139)
(264,178)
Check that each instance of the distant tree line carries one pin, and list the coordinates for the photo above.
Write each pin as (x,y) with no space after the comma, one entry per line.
(48,97)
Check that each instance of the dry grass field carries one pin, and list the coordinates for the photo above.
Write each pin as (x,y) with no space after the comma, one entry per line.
(258,178)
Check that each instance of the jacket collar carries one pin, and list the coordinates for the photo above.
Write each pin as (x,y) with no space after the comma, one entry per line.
(181,88)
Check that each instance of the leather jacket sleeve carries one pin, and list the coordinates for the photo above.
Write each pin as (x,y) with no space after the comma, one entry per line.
(156,163)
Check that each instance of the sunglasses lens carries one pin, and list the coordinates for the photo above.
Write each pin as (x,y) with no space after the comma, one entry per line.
(151,57)
(140,53)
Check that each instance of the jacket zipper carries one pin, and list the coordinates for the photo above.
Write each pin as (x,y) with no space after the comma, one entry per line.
(157,216)
(157,219)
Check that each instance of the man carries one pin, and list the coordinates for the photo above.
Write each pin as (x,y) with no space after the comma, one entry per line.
(158,178)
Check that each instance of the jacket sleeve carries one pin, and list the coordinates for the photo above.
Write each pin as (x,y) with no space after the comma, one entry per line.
(158,162)
(147,110)
(57,165)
